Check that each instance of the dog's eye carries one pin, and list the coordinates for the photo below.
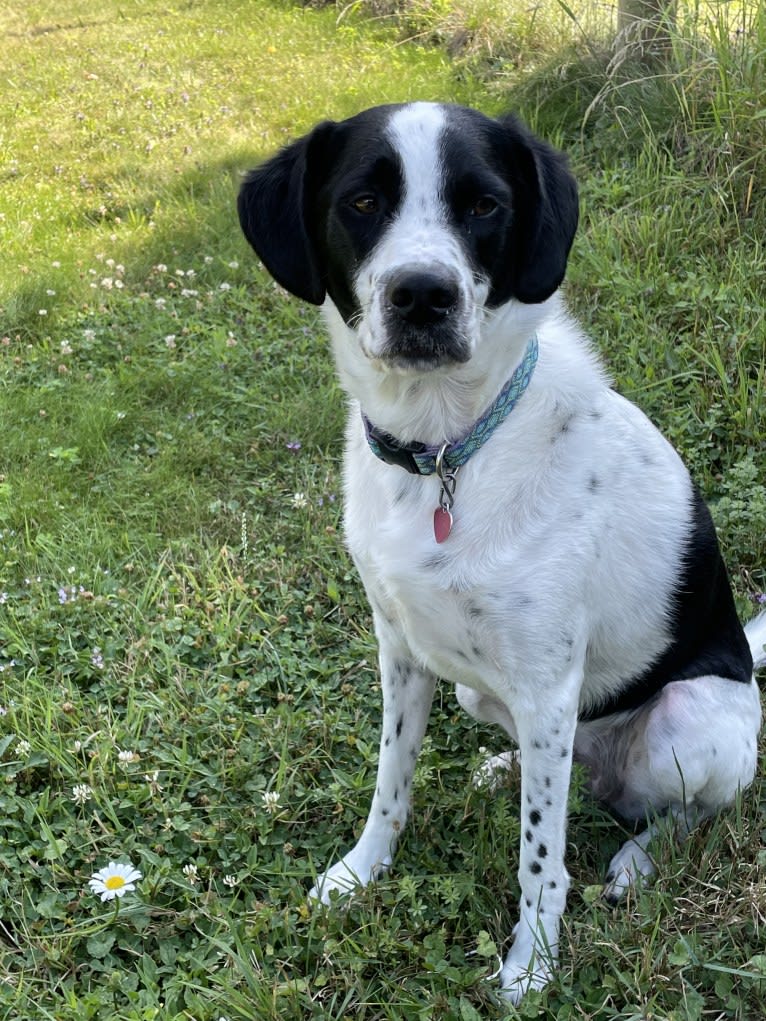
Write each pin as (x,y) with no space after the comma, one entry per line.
(365,204)
(484,206)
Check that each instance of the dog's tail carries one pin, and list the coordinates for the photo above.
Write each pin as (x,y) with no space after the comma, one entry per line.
(755,632)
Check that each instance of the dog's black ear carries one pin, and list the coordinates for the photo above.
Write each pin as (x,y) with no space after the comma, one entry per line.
(545,211)
(273,208)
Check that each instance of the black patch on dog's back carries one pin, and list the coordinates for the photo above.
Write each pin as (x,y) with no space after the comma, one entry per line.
(707,636)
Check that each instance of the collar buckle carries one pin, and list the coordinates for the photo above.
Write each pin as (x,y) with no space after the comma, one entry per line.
(387,449)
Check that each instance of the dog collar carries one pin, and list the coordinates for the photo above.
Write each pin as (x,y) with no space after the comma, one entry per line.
(424,459)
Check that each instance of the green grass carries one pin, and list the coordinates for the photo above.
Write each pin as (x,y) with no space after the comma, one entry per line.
(173,582)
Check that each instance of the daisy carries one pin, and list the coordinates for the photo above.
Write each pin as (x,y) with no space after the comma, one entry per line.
(114,880)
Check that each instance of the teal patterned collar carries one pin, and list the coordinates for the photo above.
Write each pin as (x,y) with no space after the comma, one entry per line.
(421,459)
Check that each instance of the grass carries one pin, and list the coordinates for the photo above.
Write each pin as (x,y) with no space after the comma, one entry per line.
(173,583)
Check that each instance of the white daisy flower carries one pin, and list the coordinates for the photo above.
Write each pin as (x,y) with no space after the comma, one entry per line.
(114,881)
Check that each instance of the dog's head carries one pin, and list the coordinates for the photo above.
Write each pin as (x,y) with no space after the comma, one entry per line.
(414,220)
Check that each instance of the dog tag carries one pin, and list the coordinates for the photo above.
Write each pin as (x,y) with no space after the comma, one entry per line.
(442,524)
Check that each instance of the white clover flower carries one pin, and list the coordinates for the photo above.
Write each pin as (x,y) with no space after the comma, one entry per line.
(114,881)
(230,881)
(23,748)
(271,801)
(81,792)
(153,779)
(224,286)
(126,757)
(191,872)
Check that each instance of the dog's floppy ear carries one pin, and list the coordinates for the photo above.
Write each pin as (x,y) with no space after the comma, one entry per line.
(273,213)
(545,213)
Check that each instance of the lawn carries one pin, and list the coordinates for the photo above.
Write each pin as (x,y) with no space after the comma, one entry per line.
(187,671)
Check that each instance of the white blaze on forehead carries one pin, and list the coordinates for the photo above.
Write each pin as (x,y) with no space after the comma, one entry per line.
(420,235)
(416,131)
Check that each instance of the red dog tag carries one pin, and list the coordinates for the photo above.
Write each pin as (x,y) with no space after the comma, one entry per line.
(442,524)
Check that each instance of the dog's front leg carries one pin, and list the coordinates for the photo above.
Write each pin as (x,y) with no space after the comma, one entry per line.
(546,736)
(407,695)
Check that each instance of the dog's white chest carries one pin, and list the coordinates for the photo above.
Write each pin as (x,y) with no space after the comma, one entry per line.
(435,595)
(434,621)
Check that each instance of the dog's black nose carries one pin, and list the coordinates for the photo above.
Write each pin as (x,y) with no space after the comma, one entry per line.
(422,298)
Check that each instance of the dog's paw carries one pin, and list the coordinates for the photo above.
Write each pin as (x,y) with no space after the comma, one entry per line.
(530,963)
(492,772)
(630,867)
(516,980)
(344,879)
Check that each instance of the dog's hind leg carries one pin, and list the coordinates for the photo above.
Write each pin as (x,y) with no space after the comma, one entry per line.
(684,756)
(407,696)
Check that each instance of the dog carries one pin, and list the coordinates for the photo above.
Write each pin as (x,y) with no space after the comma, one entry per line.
(521,530)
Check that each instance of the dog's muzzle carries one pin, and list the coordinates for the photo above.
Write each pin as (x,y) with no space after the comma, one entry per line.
(423,315)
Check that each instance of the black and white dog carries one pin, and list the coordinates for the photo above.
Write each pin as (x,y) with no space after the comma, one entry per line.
(522,531)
